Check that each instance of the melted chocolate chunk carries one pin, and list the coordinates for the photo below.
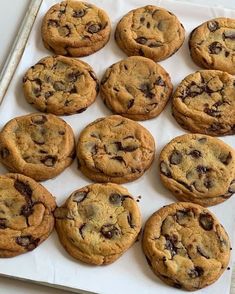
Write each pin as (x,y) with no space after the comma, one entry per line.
(215,127)
(202,169)
(48,94)
(215,48)
(146,89)
(109,231)
(130,103)
(81,230)
(141,40)
(23,188)
(193,90)
(176,157)
(4,153)
(181,215)
(200,251)
(195,153)
(232,187)
(196,272)
(159,82)
(119,158)
(79,13)
(170,245)
(213,25)
(49,160)
(3,223)
(116,199)
(212,112)
(73,76)
(64,31)
(79,196)
(129,148)
(27,209)
(206,221)
(59,86)
(28,242)
(94,28)
(208,183)
(53,23)
(39,119)
(229,35)
(225,158)
(130,220)
(165,169)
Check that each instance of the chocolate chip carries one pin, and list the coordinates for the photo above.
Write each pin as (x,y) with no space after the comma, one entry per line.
(176,157)
(160,82)
(59,86)
(81,230)
(3,223)
(79,13)
(109,231)
(196,272)
(64,31)
(130,103)
(79,196)
(23,188)
(208,183)
(202,169)
(165,169)
(146,89)
(194,90)
(53,23)
(94,28)
(142,19)
(141,40)
(229,35)
(155,44)
(212,112)
(141,52)
(49,160)
(215,127)
(202,253)
(119,158)
(181,215)
(232,187)
(4,153)
(226,53)
(129,148)
(28,242)
(206,221)
(213,25)
(130,220)
(73,76)
(170,245)
(225,158)
(215,48)
(27,209)
(195,153)
(48,94)
(115,199)
(148,25)
(39,119)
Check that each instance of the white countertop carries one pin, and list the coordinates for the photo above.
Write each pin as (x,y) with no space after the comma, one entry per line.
(11,15)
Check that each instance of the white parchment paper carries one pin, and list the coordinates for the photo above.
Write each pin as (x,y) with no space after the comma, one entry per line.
(49,263)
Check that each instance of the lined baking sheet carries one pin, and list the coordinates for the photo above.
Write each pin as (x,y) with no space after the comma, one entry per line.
(49,263)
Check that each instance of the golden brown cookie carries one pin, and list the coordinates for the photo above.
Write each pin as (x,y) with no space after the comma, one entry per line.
(136,87)
(199,169)
(150,31)
(115,149)
(60,85)
(186,246)
(37,145)
(98,223)
(75,28)
(26,214)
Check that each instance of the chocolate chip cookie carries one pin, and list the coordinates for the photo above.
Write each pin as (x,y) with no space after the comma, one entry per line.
(98,223)
(60,85)
(26,214)
(204,102)
(212,44)
(199,169)
(75,28)
(150,31)
(37,145)
(115,149)
(186,246)
(136,87)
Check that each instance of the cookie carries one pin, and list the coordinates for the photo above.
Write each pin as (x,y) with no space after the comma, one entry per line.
(204,102)
(115,149)
(199,169)
(98,223)
(60,85)
(150,31)
(26,214)
(212,44)
(37,145)
(136,87)
(75,28)
(186,246)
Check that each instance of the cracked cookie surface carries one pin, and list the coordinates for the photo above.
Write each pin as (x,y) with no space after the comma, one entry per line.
(136,87)
(75,28)
(199,169)
(115,149)
(98,223)
(212,44)
(186,246)
(26,214)
(60,85)
(150,31)
(37,145)
(204,102)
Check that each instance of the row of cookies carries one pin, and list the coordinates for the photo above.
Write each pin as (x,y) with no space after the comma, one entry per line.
(76,28)
(195,167)
(99,222)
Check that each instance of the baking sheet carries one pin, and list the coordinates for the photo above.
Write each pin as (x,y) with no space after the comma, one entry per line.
(49,263)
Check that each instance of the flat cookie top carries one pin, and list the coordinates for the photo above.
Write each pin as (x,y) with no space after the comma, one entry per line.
(36,143)
(212,44)
(207,101)
(199,167)
(150,31)
(98,223)
(115,147)
(25,214)
(75,24)
(60,85)
(186,245)
(136,87)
